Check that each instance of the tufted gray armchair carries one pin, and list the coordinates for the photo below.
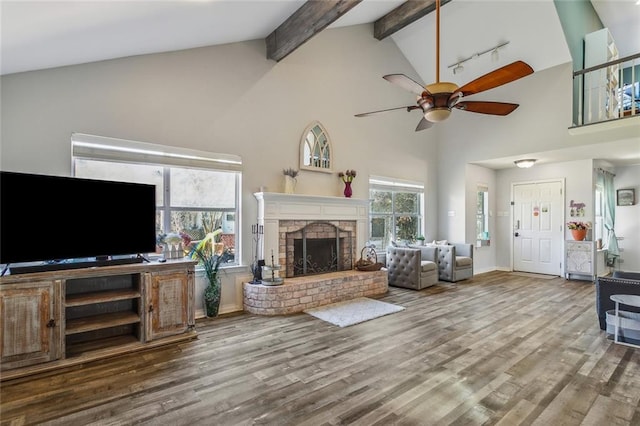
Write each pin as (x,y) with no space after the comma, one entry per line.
(455,262)
(412,267)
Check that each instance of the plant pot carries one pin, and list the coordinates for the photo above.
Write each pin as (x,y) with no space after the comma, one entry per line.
(289,184)
(579,234)
(211,300)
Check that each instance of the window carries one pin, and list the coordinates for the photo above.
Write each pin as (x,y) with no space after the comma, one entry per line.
(482,216)
(598,226)
(396,211)
(196,192)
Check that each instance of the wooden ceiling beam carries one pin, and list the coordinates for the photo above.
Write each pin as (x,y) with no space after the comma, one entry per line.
(311,18)
(403,15)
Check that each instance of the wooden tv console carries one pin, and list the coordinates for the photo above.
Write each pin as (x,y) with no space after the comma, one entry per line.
(62,318)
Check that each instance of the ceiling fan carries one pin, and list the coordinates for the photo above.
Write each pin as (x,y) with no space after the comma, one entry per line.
(436,100)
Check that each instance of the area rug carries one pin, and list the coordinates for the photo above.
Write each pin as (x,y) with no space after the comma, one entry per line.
(355,311)
(531,275)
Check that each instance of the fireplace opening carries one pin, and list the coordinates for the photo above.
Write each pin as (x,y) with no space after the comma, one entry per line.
(315,256)
(318,248)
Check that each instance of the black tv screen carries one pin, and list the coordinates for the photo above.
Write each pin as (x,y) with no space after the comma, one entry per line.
(52,218)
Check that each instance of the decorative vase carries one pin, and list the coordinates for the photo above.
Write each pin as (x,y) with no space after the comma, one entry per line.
(212,299)
(579,234)
(289,184)
(347,190)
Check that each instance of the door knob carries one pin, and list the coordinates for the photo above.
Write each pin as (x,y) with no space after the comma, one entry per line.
(517,234)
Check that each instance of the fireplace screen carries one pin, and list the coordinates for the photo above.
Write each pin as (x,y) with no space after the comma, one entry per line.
(318,248)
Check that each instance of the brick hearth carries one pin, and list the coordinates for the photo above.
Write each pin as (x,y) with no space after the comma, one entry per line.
(300,293)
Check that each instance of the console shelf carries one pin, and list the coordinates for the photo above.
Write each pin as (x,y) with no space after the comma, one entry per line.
(99,322)
(100,297)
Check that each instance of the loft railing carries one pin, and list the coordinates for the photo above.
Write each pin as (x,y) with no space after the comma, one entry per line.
(609,91)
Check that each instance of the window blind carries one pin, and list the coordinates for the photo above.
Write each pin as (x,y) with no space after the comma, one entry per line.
(113,149)
(384,183)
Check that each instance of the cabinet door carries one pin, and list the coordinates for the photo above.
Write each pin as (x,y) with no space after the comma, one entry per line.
(31,329)
(579,258)
(169,304)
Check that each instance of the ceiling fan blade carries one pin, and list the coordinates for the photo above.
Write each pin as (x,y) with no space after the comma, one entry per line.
(495,78)
(423,124)
(408,108)
(406,83)
(492,108)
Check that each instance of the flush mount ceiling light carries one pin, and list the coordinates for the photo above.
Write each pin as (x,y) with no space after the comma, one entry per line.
(525,164)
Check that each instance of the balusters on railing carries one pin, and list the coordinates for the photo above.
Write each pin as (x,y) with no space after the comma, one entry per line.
(608,91)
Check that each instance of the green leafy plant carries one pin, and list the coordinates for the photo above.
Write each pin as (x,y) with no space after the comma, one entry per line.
(210,261)
(579,225)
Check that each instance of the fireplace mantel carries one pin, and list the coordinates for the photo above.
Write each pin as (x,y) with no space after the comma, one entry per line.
(273,207)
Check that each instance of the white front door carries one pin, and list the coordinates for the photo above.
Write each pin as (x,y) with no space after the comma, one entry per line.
(538,227)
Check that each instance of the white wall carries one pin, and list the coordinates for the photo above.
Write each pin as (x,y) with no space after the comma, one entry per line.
(578,180)
(231,99)
(484,258)
(469,137)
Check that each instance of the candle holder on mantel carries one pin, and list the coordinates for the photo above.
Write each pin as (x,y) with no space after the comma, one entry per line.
(271,273)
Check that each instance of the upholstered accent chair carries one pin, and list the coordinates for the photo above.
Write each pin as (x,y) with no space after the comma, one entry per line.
(619,283)
(455,262)
(412,267)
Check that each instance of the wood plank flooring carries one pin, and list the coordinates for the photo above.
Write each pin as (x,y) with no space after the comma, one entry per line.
(496,350)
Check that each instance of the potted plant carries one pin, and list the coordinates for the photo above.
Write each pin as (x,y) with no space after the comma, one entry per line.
(420,239)
(210,261)
(578,229)
(347,177)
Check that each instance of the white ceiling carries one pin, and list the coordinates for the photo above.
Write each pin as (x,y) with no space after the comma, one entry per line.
(44,34)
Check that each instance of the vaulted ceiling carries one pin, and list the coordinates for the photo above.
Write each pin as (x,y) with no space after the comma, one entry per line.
(44,34)
(37,35)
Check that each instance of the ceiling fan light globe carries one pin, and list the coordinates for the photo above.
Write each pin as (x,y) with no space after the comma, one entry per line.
(435,115)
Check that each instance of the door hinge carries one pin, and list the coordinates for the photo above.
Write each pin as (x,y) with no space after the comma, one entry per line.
(513,203)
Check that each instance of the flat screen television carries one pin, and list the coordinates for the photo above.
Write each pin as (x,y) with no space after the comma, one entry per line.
(57,220)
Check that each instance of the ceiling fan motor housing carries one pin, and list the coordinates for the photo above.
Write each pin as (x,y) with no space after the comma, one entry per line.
(438,95)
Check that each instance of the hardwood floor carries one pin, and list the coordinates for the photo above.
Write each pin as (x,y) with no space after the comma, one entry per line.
(496,350)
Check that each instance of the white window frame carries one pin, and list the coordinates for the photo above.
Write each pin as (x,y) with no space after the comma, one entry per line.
(396,186)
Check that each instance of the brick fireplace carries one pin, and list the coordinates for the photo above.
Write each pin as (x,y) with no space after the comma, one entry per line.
(328,231)
(289,213)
